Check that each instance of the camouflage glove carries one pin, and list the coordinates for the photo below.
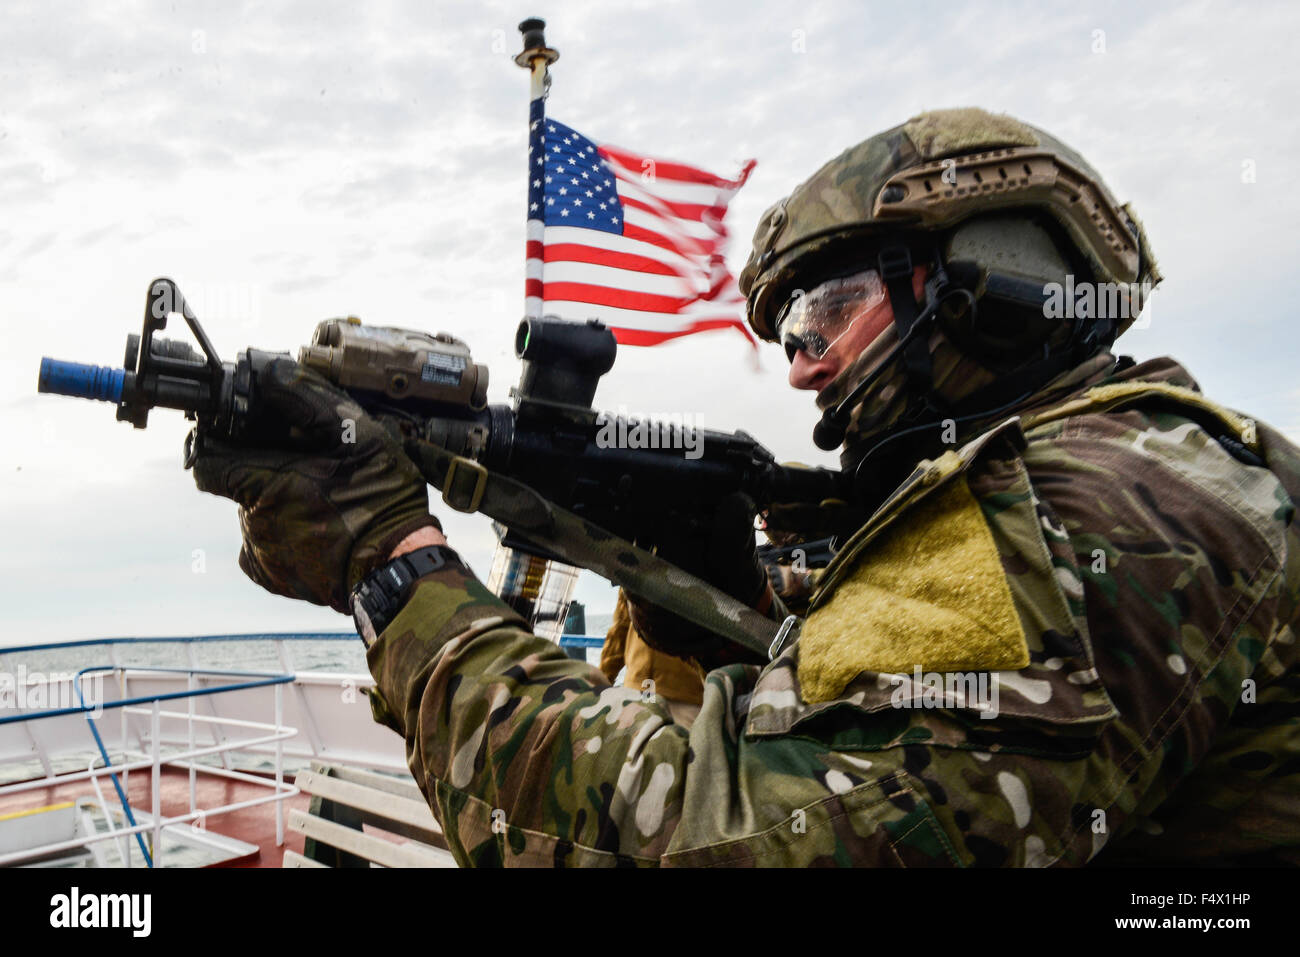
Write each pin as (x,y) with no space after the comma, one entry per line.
(326,493)
(725,555)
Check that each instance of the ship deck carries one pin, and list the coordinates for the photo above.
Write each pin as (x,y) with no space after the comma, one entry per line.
(253,825)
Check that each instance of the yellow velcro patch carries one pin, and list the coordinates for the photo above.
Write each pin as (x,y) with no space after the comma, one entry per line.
(930,593)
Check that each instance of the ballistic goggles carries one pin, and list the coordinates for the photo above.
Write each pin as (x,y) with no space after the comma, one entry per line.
(814,321)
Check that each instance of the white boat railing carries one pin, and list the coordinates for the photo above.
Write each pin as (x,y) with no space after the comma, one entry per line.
(275,733)
(318,720)
(44,742)
(330,709)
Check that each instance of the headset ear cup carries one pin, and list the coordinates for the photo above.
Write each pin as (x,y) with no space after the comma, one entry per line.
(964,274)
(959,311)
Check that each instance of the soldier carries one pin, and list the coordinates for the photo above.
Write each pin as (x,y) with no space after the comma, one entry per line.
(1065,634)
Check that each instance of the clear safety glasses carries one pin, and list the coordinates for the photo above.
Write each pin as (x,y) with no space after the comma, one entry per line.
(814,321)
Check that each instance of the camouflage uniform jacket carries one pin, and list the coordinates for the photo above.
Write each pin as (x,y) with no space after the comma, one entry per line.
(1155,577)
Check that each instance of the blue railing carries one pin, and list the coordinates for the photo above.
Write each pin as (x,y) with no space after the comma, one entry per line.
(185,639)
(566,641)
(269,678)
(581,641)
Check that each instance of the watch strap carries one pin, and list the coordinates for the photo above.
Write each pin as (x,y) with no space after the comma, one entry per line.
(381,595)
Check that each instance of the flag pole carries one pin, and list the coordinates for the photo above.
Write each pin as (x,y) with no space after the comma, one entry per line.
(538,589)
(536,58)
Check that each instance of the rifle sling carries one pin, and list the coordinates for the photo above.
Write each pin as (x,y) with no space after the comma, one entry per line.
(468,487)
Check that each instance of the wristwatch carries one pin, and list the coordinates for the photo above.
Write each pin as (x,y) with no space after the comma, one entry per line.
(380,595)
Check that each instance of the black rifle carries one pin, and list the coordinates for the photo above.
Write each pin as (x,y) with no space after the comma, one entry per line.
(631,477)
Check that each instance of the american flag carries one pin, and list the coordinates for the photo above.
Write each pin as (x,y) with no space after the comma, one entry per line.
(634,241)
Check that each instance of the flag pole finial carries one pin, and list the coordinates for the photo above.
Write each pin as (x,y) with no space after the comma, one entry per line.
(536,53)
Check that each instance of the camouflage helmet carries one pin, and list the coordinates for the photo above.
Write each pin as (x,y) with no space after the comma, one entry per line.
(934,172)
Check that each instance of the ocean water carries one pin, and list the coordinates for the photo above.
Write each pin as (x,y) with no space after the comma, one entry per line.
(345,655)
(341,654)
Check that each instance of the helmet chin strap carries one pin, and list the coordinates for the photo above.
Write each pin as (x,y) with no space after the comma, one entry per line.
(896,269)
(829,433)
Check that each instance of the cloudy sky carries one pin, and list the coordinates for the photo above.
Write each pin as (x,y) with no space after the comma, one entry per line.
(291,162)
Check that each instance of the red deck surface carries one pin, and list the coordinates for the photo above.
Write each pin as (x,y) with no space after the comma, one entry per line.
(255,825)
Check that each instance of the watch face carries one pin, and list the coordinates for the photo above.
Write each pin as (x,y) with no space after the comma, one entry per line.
(364,627)
(378,599)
